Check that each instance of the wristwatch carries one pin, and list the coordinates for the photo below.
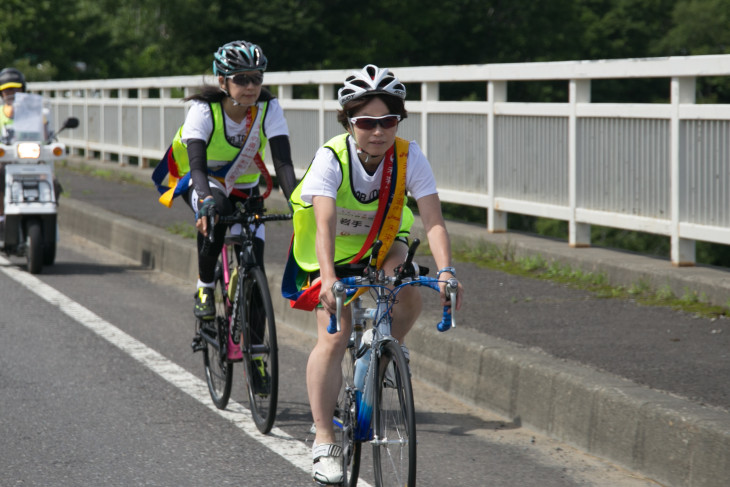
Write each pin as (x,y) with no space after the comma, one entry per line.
(446,269)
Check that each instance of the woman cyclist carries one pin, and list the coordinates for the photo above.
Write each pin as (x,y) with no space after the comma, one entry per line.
(222,142)
(337,207)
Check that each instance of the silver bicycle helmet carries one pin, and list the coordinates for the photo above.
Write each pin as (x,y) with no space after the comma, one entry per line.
(370,81)
(238,56)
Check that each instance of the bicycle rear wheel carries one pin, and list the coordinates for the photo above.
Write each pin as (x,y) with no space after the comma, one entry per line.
(345,418)
(218,371)
(394,444)
(260,351)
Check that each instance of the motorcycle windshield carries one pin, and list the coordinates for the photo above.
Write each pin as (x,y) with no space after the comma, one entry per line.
(28,117)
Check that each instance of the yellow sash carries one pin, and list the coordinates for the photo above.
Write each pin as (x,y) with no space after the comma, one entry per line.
(391,224)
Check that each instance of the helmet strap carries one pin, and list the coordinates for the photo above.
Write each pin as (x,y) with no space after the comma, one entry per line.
(357,144)
(360,151)
(233,100)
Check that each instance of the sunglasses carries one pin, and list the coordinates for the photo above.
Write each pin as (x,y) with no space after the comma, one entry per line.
(242,79)
(369,123)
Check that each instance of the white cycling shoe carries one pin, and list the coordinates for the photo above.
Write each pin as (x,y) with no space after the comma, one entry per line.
(327,464)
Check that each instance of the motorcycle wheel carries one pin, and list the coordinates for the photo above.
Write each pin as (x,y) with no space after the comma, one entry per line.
(34,250)
(49,254)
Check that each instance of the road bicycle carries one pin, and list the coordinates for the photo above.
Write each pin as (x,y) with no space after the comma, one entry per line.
(375,403)
(244,329)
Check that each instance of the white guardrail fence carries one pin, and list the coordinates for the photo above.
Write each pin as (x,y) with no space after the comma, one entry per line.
(649,167)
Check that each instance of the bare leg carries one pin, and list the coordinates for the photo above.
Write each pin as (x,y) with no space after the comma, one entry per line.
(324,374)
(410,303)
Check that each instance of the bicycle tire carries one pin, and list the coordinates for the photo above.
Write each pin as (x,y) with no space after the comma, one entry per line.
(259,343)
(218,371)
(394,420)
(345,419)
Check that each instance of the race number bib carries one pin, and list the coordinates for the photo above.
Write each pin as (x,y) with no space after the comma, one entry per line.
(353,222)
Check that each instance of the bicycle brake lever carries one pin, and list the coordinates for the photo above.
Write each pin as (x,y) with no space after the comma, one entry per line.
(452,286)
(211,225)
(372,263)
(208,240)
(338,289)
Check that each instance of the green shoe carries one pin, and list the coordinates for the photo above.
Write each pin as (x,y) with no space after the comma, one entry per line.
(205,303)
(261,380)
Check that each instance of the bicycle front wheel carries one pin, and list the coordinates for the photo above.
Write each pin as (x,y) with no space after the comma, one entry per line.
(260,351)
(345,421)
(394,443)
(218,371)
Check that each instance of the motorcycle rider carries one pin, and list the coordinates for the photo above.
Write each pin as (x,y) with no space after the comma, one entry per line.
(12,82)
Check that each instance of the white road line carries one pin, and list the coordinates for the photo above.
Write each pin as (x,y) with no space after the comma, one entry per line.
(277,441)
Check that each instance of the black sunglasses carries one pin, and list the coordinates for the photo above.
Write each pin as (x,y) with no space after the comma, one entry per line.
(369,123)
(242,79)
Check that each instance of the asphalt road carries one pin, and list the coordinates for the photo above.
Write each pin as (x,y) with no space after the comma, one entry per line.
(658,347)
(98,386)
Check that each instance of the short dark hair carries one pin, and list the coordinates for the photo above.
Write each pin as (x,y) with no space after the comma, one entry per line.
(396,106)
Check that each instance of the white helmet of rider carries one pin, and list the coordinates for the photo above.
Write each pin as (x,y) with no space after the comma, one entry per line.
(370,80)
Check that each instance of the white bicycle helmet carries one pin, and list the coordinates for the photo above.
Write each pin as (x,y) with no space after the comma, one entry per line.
(370,81)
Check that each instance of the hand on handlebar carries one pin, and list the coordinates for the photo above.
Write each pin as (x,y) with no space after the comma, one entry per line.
(206,211)
(451,291)
(338,292)
(326,296)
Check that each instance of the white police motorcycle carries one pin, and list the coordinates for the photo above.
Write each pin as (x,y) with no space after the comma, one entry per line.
(30,227)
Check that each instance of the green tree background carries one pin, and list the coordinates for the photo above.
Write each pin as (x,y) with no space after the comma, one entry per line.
(96,39)
(131,38)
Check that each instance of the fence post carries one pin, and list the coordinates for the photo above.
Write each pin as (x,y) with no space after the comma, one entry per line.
(429,92)
(683,250)
(326,92)
(84,93)
(496,220)
(579,234)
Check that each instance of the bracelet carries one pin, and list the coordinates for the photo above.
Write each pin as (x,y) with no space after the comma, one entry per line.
(446,269)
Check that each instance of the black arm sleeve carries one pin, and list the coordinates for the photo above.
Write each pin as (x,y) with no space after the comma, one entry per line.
(281,154)
(199,167)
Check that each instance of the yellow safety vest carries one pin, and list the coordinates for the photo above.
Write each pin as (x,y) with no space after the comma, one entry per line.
(351,213)
(219,151)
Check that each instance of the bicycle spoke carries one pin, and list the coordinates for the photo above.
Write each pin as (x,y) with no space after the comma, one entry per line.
(218,371)
(345,423)
(260,349)
(394,444)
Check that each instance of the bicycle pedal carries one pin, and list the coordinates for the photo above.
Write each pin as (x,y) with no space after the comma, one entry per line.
(197,345)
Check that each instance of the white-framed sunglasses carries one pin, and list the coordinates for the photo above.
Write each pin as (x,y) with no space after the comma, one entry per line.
(369,123)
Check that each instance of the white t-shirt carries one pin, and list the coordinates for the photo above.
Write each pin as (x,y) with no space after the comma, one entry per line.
(199,123)
(324,175)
